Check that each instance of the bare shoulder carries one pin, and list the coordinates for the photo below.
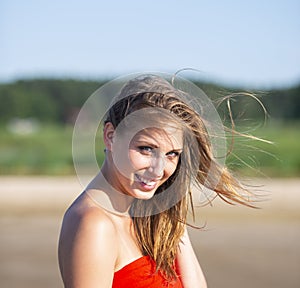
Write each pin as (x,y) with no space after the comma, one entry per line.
(83,213)
(88,239)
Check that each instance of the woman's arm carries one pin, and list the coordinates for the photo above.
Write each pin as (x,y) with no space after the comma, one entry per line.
(87,250)
(189,268)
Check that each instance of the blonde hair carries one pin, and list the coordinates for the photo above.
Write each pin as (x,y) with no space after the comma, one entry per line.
(158,233)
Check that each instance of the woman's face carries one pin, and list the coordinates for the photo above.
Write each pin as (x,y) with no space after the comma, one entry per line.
(152,157)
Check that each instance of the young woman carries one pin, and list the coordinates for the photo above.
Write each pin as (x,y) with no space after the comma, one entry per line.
(128,228)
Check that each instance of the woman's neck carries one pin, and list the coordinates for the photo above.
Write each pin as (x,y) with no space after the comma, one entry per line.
(101,189)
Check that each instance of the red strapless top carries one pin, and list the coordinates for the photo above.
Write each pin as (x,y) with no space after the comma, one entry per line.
(141,274)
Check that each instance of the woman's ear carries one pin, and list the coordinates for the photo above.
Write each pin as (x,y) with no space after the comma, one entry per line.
(108,135)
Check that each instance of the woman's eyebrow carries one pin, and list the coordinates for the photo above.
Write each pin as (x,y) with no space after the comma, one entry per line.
(177,150)
(146,143)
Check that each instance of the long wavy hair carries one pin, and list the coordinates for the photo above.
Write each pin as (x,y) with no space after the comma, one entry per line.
(159,225)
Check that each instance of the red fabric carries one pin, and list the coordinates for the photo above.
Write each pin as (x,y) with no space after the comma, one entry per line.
(141,274)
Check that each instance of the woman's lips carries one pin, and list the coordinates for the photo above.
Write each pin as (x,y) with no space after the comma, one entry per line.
(146,183)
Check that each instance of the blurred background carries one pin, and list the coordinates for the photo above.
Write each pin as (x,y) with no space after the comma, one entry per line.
(55,54)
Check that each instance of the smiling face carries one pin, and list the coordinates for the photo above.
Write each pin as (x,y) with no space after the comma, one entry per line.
(150,159)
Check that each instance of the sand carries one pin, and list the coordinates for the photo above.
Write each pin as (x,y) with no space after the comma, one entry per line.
(239,247)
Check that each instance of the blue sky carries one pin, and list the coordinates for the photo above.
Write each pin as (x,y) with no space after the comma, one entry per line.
(250,43)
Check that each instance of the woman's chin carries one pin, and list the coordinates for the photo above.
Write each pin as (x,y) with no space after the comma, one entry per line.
(143,195)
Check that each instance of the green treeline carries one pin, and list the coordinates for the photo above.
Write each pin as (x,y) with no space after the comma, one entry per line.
(50,101)
(58,101)
(36,119)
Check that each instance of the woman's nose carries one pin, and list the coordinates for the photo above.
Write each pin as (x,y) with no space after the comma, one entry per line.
(157,165)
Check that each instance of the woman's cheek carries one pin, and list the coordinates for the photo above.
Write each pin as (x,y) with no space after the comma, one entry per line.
(171,167)
(139,161)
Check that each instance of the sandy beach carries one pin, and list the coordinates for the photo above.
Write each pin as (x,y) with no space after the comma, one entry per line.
(238,247)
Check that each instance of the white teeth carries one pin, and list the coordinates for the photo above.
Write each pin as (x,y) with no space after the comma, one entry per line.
(146,181)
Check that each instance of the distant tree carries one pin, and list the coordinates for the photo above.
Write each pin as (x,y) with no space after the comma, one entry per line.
(59,100)
(284,103)
(48,100)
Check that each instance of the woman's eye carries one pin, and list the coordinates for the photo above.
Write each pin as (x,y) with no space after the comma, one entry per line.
(145,149)
(173,154)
